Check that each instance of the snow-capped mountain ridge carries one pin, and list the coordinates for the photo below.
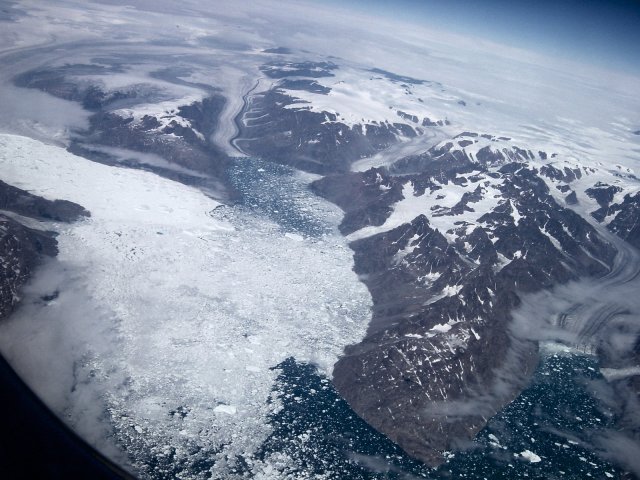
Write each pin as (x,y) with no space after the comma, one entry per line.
(501,223)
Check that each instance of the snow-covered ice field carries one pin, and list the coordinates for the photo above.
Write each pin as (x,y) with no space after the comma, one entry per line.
(172,309)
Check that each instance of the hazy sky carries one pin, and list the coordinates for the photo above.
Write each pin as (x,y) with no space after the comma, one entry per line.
(605,33)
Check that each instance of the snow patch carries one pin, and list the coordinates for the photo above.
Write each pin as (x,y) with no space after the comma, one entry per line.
(441,327)
(359,97)
(166,113)
(436,205)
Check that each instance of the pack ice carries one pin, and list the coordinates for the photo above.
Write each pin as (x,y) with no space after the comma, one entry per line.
(171,310)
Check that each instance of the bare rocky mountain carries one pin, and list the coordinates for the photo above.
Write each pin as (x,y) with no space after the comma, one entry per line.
(442,300)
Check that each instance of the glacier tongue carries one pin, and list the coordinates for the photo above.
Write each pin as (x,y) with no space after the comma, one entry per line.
(172,310)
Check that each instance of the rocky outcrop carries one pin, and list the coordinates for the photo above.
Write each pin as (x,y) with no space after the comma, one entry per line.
(626,223)
(431,369)
(180,136)
(23,248)
(312,141)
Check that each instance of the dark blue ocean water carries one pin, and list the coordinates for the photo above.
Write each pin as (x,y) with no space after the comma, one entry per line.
(550,418)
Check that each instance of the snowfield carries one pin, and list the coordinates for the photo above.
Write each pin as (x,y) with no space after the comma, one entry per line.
(361,97)
(172,310)
(166,113)
(436,205)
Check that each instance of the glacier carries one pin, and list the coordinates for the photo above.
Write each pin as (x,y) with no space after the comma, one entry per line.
(171,311)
